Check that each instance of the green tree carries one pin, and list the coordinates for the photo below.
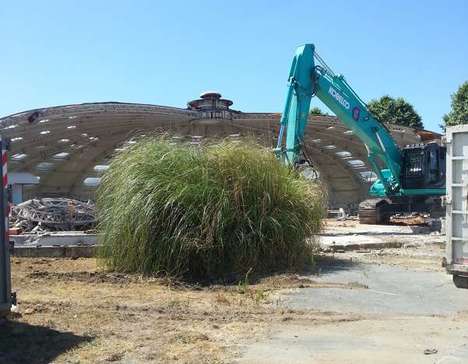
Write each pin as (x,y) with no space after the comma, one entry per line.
(316,111)
(459,113)
(395,111)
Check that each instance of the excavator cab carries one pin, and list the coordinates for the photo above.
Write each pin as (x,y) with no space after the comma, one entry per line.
(422,178)
(423,166)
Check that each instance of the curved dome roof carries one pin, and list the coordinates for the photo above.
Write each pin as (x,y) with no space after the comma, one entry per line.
(68,147)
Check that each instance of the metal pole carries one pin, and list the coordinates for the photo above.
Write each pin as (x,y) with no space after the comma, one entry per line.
(5,292)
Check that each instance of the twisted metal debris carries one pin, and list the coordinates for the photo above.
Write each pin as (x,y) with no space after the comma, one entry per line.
(53,214)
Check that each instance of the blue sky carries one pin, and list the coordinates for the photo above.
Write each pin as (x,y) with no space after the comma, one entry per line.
(167,52)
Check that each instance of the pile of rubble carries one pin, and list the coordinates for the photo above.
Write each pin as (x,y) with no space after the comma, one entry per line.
(410,219)
(435,224)
(53,214)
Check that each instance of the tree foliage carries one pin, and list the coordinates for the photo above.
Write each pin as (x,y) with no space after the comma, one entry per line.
(395,111)
(317,111)
(459,113)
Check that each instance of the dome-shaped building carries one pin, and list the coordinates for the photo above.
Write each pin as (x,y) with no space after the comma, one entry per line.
(63,150)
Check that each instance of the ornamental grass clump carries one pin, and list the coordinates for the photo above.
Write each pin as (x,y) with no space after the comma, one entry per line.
(205,213)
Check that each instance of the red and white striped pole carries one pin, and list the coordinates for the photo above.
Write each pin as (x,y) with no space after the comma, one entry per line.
(5,287)
(6,205)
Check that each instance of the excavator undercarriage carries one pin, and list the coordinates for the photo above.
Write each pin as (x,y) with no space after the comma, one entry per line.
(379,210)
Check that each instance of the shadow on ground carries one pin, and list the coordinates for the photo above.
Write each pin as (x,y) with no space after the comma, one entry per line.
(322,265)
(325,264)
(24,343)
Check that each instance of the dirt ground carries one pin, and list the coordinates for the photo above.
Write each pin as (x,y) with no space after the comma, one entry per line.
(72,311)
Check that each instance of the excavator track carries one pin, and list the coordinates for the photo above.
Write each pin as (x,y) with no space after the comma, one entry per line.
(374,211)
(460,281)
(379,210)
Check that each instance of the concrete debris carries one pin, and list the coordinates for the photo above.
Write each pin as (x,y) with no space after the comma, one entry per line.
(412,219)
(53,214)
(341,236)
(418,219)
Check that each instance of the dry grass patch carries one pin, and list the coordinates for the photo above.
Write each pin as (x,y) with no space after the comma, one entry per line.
(69,318)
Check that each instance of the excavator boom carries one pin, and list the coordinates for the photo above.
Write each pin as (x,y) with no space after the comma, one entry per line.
(416,172)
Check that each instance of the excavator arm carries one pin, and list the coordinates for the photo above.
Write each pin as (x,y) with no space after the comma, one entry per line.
(310,76)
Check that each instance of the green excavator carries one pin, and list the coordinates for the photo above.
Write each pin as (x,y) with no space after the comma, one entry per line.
(409,179)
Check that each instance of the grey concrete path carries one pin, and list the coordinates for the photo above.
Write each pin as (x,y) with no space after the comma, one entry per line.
(404,316)
(390,290)
(401,340)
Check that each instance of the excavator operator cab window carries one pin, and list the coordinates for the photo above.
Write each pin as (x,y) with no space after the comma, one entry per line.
(414,162)
(433,162)
(436,165)
(414,166)
(423,166)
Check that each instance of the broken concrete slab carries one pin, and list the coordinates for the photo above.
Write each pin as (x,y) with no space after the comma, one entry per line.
(69,251)
(345,236)
(62,238)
